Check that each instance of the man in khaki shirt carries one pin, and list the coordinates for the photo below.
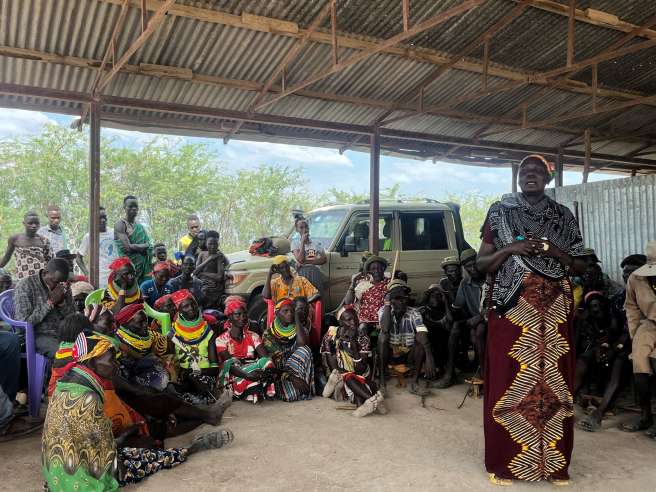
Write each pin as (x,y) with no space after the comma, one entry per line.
(640,307)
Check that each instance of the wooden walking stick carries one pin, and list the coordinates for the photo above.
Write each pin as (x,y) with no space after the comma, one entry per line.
(396,262)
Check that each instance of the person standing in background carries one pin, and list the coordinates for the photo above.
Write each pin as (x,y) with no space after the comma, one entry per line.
(193,225)
(132,240)
(106,247)
(54,231)
(32,250)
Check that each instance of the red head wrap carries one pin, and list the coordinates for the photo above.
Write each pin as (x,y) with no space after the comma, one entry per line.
(161,265)
(282,303)
(119,262)
(180,295)
(128,312)
(161,301)
(233,304)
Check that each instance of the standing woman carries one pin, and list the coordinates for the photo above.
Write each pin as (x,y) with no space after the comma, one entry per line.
(530,247)
(309,255)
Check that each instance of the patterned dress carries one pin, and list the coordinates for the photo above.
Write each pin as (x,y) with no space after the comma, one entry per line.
(530,361)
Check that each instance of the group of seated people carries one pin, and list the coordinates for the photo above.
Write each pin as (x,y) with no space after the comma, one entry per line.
(156,357)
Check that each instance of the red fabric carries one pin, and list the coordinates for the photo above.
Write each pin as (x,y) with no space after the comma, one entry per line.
(372,300)
(159,266)
(161,301)
(118,263)
(180,295)
(233,305)
(128,312)
(281,304)
(242,350)
(539,403)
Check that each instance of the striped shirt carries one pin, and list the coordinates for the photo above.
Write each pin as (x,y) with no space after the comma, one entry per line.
(402,332)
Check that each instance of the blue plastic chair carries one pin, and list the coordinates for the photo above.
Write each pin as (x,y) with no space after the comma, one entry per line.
(37,364)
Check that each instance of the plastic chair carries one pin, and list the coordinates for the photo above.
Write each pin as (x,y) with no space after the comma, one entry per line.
(94,297)
(315,334)
(163,318)
(37,364)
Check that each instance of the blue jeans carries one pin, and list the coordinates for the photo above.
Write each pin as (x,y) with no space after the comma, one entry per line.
(10,364)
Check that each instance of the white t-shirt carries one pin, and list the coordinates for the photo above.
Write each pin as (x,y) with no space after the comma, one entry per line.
(107,253)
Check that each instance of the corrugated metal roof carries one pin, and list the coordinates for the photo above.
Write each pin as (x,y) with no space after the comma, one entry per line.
(535,41)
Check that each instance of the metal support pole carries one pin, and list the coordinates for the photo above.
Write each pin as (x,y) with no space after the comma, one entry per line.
(374,191)
(94,193)
(588,153)
(559,168)
(515,171)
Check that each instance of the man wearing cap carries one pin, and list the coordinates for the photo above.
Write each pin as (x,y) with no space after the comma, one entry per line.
(367,293)
(186,280)
(640,307)
(80,290)
(65,254)
(404,337)
(438,320)
(469,324)
(287,285)
(594,279)
(451,282)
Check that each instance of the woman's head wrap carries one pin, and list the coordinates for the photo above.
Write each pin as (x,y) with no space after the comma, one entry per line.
(283,303)
(344,308)
(89,347)
(160,266)
(549,166)
(118,263)
(594,294)
(180,295)
(159,303)
(279,260)
(233,305)
(128,312)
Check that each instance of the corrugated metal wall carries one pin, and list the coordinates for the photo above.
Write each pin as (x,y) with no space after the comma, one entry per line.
(616,217)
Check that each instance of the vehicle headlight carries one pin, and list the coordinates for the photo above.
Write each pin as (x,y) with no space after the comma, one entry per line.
(236,278)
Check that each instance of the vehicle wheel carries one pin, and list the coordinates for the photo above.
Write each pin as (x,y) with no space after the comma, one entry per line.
(257,311)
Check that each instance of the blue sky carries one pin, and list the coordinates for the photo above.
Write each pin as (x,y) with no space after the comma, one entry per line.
(323,168)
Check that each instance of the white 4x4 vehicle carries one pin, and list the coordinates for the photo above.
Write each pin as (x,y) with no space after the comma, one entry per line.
(424,231)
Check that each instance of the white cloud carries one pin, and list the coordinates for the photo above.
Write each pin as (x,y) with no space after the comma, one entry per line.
(270,153)
(136,138)
(15,122)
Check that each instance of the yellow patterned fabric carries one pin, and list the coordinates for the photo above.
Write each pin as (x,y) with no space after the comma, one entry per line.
(78,449)
(535,406)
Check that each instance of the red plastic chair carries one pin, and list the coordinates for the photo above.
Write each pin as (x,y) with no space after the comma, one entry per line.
(37,364)
(315,334)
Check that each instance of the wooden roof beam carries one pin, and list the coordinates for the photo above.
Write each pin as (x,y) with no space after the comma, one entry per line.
(152,26)
(418,54)
(594,17)
(284,63)
(430,23)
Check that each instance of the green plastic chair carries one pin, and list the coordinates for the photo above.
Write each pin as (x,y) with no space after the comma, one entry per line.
(163,318)
(95,297)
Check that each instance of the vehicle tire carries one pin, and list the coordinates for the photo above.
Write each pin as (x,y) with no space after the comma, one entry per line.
(257,310)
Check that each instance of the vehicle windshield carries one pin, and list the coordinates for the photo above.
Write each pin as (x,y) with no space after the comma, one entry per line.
(323,226)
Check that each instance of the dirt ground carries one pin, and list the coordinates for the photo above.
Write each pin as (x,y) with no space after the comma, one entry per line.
(313,446)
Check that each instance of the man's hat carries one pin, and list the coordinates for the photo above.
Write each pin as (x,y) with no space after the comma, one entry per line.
(450,260)
(467,255)
(649,269)
(398,288)
(65,254)
(637,260)
(590,252)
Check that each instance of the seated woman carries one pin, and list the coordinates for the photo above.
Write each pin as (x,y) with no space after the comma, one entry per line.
(346,353)
(122,287)
(244,359)
(286,284)
(78,448)
(195,351)
(286,340)
(141,349)
(602,354)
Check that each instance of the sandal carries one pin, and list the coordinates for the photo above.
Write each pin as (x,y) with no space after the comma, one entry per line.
(417,389)
(636,426)
(589,424)
(559,482)
(212,440)
(504,482)
(651,432)
(19,427)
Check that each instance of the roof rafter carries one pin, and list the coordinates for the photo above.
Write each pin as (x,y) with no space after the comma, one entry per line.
(430,23)
(284,63)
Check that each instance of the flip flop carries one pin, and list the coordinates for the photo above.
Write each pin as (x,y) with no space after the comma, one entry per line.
(504,482)
(636,426)
(589,424)
(416,389)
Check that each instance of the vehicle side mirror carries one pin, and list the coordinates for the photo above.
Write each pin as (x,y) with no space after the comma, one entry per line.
(348,246)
